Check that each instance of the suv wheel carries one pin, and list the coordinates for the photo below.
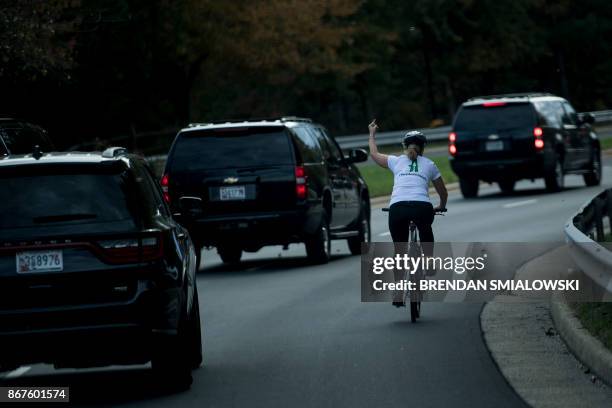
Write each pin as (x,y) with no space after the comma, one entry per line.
(229,254)
(507,186)
(555,178)
(318,247)
(195,334)
(469,187)
(172,361)
(354,243)
(593,177)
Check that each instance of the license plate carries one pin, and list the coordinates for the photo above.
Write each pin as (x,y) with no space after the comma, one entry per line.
(40,261)
(232,193)
(494,146)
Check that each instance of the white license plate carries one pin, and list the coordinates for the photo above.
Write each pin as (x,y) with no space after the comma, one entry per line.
(40,261)
(495,146)
(232,193)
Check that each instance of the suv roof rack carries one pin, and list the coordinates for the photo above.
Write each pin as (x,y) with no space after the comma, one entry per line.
(274,119)
(512,95)
(114,151)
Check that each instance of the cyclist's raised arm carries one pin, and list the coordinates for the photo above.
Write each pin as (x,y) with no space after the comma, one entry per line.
(441,190)
(379,158)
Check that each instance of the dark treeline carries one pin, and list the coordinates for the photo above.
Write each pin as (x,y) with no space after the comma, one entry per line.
(90,69)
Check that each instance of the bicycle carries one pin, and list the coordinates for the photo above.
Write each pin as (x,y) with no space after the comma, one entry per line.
(415,251)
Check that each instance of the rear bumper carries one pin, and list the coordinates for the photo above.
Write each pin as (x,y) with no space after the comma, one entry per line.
(503,169)
(256,229)
(93,334)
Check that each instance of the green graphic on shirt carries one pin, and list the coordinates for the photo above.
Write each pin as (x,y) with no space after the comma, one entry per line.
(414,166)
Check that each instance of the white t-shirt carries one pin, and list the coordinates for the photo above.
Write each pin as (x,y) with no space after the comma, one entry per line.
(411,179)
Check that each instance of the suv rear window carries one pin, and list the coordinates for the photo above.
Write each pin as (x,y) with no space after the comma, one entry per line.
(66,197)
(230,148)
(509,116)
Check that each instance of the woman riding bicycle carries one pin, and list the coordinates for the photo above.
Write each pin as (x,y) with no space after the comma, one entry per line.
(410,201)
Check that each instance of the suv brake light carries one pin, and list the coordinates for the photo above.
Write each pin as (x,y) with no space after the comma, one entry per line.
(128,250)
(165,184)
(301,189)
(537,132)
(452,138)
(493,104)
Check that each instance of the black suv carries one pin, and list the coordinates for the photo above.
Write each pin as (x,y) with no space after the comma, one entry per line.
(19,137)
(505,138)
(267,182)
(93,269)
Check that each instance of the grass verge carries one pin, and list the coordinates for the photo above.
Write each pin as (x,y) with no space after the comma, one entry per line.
(380,180)
(597,319)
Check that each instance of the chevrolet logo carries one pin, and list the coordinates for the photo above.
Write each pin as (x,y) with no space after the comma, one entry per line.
(230,180)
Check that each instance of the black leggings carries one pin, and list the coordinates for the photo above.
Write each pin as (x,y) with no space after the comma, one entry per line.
(421,213)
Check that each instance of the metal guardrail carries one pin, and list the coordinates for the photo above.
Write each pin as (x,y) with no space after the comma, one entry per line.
(436,134)
(584,233)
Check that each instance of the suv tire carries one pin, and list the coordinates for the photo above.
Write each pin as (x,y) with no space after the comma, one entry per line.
(593,177)
(554,180)
(172,360)
(469,187)
(507,186)
(318,246)
(229,254)
(354,243)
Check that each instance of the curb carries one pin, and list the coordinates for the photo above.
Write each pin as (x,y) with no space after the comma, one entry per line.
(585,347)
(376,201)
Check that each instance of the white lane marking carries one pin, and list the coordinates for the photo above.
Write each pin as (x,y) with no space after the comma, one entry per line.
(384,234)
(18,372)
(520,203)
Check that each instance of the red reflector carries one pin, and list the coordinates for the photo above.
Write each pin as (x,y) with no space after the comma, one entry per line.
(165,183)
(537,132)
(452,149)
(493,104)
(452,136)
(539,144)
(300,171)
(300,191)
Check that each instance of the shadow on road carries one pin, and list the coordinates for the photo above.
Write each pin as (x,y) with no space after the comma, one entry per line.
(263,265)
(523,192)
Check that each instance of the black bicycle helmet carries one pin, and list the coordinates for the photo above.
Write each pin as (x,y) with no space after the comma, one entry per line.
(414,137)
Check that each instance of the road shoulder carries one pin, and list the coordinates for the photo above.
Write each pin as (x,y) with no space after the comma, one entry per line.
(523,341)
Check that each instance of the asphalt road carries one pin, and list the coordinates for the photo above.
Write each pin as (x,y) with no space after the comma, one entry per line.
(280,332)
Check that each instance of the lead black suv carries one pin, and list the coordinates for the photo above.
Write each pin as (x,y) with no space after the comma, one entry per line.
(19,137)
(93,269)
(267,182)
(505,138)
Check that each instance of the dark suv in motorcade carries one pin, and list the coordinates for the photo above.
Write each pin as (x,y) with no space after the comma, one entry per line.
(505,138)
(267,182)
(19,137)
(94,270)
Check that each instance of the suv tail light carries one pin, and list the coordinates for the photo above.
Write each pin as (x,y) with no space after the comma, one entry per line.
(301,188)
(165,184)
(538,142)
(493,104)
(132,249)
(452,138)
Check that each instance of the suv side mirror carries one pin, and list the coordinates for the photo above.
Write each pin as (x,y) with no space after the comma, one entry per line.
(587,118)
(191,206)
(357,156)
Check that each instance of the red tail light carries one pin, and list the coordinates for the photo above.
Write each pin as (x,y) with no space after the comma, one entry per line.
(493,104)
(132,250)
(301,189)
(452,137)
(452,149)
(165,184)
(539,144)
(537,132)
